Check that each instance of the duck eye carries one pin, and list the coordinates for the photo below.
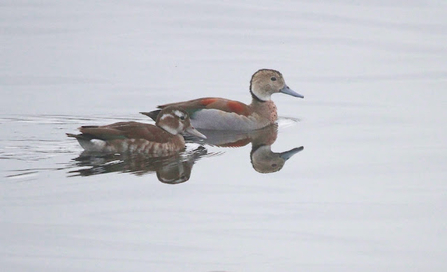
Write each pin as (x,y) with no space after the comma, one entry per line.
(182,117)
(273,79)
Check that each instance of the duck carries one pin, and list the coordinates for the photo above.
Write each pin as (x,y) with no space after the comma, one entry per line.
(216,113)
(162,139)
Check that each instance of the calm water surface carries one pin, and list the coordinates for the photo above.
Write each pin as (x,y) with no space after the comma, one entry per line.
(364,190)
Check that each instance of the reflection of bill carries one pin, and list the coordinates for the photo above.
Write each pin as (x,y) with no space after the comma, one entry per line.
(172,170)
(263,159)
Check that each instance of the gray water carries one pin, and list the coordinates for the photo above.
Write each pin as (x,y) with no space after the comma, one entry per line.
(367,192)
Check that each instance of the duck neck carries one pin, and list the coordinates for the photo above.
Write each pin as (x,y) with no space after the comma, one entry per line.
(254,97)
(266,109)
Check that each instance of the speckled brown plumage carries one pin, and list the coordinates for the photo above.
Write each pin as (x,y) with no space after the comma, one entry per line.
(134,137)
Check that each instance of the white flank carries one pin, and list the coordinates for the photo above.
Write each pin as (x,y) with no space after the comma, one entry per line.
(95,145)
(124,146)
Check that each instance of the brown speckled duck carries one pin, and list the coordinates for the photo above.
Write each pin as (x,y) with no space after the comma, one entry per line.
(160,140)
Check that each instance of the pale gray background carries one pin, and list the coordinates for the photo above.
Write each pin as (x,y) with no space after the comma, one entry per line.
(368,193)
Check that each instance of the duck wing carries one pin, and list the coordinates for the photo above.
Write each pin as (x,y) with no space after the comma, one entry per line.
(126,130)
(203,104)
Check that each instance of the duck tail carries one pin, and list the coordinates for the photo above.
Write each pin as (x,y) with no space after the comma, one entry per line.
(152,114)
(89,142)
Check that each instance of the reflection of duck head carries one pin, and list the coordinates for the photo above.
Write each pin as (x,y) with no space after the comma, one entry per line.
(178,171)
(172,169)
(175,173)
(263,159)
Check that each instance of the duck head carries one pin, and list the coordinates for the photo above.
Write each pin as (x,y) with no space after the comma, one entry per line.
(175,120)
(266,82)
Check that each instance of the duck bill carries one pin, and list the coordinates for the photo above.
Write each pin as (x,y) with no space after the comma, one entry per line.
(287,90)
(288,154)
(195,132)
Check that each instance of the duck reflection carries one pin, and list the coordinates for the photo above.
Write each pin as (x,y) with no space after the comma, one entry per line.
(177,168)
(174,169)
(262,158)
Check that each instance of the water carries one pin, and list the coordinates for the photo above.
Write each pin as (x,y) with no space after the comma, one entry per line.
(367,191)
